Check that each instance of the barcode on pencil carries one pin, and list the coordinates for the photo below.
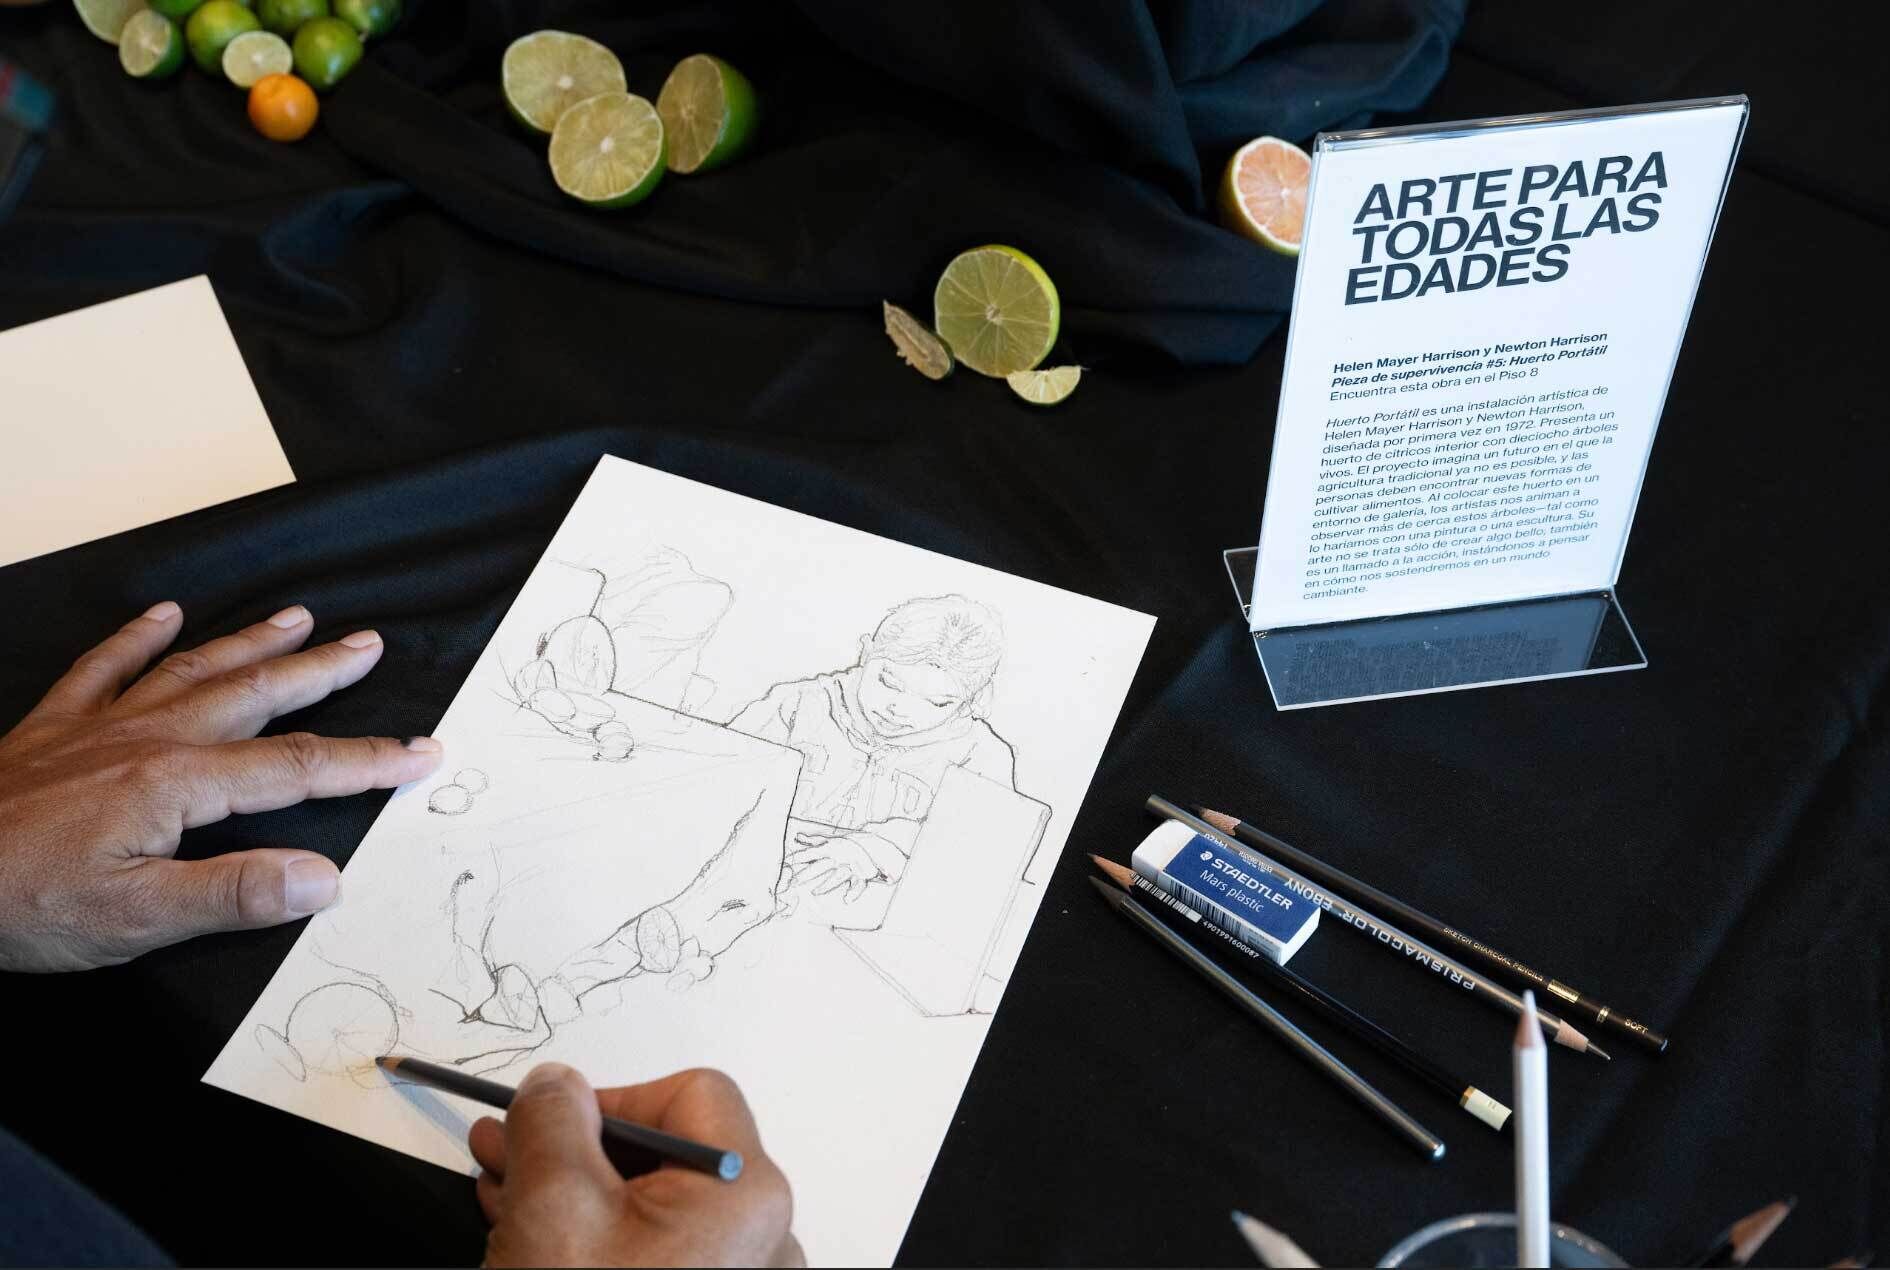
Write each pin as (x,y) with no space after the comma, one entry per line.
(1215,916)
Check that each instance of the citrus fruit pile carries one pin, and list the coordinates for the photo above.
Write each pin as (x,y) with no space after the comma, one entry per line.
(283,52)
(610,147)
(996,311)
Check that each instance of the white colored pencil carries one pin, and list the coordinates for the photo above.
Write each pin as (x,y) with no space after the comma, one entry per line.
(1530,1059)
(1272,1247)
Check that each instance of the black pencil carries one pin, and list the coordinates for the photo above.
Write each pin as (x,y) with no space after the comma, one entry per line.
(1312,1051)
(635,1149)
(1567,999)
(1466,1095)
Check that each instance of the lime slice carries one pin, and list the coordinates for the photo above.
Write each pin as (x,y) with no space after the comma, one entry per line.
(546,73)
(608,151)
(1263,193)
(1045,387)
(106,18)
(709,113)
(918,347)
(254,54)
(997,310)
(150,46)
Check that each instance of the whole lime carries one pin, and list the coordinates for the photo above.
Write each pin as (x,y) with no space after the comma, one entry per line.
(326,49)
(175,10)
(369,17)
(211,27)
(285,17)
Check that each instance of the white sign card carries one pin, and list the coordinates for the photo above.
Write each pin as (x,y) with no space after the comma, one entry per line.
(729,787)
(1484,325)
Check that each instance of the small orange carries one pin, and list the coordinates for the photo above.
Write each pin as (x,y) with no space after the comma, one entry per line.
(282,107)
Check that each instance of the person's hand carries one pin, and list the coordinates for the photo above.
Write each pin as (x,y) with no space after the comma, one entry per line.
(554,1199)
(823,863)
(99,781)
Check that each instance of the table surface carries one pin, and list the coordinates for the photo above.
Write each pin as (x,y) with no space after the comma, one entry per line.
(445,350)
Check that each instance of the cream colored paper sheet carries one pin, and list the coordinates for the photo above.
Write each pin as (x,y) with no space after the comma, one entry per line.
(125,414)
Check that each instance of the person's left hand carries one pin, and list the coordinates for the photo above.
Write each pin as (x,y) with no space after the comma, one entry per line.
(824,863)
(98,782)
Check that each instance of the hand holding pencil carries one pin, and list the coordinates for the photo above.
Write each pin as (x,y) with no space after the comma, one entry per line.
(554,1198)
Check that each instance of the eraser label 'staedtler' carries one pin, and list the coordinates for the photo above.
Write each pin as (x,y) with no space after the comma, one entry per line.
(1225,889)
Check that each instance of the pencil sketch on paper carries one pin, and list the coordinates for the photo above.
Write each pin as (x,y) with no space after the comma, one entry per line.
(873,799)
(336,1029)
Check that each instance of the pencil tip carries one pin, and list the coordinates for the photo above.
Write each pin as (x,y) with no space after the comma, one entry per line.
(1752,1231)
(388,1061)
(1238,1216)
(1219,819)
(1109,892)
(1596,1049)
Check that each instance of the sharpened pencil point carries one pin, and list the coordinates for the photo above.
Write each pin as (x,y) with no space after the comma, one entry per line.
(1219,819)
(387,1061)
(1108,892)
(1120,874)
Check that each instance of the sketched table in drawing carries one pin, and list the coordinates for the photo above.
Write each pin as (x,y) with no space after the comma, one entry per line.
(582,846)
(956,894)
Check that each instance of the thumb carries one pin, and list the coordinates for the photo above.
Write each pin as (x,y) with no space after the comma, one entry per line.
(553,1134)
(243,890)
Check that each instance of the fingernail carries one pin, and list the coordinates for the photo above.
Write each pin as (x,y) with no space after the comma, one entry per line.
(310,886)
(162,612)
(362,639)
(421,744)
(290,618)
(542,1075)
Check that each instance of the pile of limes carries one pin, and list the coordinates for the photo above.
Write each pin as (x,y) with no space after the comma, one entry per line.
(282,51)
(610,147)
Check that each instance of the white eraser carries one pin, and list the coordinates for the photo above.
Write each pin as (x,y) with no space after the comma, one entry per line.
(1223,887)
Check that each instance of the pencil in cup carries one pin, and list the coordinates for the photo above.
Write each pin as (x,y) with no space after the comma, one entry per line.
(633,1148)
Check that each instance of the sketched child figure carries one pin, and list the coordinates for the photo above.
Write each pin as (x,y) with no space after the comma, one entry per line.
(877,738)
(876,741)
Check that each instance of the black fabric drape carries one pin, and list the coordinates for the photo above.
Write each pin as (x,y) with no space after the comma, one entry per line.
(446,347)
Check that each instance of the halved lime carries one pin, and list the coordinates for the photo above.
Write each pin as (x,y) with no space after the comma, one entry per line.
(608,150)
(150,46)
(997,310)
(106,18)
(1263,193)
(918,347)
(1045,387)
(212,26)
(254,54)
(709,113)
(546,73)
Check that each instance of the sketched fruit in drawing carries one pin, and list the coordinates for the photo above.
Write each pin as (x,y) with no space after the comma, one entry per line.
(472,780)
(659,940)
(338,1029)
(450,800)
(554,705)
(614,742)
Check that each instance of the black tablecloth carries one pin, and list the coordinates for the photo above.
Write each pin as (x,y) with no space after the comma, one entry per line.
(446,349)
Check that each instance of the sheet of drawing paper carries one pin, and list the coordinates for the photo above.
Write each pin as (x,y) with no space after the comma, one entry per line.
(730,787)
(124,414)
